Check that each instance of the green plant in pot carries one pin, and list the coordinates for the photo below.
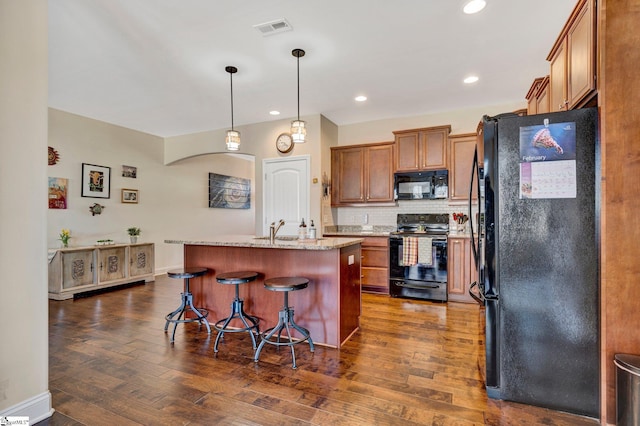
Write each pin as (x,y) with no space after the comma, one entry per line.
(133,234)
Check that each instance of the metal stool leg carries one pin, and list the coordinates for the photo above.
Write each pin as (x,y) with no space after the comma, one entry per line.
(201,317)
(285,323)
(277,329)
(237,312)
(186,304)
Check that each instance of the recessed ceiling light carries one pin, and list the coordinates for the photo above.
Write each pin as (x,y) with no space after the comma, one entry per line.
(274,112)
(471,79)
(361,98)
(474,6)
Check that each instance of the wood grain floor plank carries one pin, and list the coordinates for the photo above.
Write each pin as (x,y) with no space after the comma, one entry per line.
(411,363)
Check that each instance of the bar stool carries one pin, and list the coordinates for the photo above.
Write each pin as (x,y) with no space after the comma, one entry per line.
(237,308)
(285,316)
(187,301)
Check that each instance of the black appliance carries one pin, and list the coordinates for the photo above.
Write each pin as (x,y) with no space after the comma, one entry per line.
(537,258)
(432,184)
(427,277)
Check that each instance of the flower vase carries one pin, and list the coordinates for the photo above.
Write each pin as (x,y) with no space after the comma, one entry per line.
(134,239)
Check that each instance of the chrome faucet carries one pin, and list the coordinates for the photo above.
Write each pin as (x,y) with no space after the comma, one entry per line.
(273,230)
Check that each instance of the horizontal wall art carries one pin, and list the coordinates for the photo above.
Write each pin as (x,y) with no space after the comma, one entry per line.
(228,192)
(129,196)
(96,181)
(129,171)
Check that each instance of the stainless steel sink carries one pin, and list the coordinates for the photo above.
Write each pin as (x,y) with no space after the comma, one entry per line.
(283,238)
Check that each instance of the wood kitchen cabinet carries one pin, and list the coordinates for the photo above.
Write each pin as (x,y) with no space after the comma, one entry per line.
(82,269)
(538,96)
(375,262)
(375,265)
(572,77)
(461,268)
(462,148)
(422,149)
(362,174)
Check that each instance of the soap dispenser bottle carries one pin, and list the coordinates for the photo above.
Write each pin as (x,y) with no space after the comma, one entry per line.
(302,231)
(312,231)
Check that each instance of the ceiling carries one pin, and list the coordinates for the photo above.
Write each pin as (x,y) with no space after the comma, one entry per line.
(158,66)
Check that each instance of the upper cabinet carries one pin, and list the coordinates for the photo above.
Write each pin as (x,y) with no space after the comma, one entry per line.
(362,174)
(572,77)
(538,96)
(462,148)
(422,149)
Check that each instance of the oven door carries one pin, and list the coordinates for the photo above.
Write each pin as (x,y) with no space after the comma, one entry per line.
(436,272)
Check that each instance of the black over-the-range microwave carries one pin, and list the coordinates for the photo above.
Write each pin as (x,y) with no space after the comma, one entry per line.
(431,184)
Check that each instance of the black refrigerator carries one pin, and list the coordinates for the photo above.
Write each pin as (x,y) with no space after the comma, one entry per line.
(536,248)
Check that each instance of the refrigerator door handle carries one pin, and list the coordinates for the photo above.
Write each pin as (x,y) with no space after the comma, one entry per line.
(477,297)
(474,172)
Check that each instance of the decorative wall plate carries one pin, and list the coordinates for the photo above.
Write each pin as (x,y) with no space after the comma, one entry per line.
(96,209)
(54,157)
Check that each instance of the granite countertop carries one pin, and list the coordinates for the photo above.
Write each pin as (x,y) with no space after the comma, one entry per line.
(359,230)
(282,242)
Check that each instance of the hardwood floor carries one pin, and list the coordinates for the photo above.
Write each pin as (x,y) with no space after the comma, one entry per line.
(412,363)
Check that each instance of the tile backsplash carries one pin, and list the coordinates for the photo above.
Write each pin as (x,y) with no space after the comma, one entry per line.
(388,215)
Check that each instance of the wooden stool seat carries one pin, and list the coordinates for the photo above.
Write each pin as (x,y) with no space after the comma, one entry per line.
(237,308)
(187,272)
(285,317)
(286,283)
(239,277)
(187,301)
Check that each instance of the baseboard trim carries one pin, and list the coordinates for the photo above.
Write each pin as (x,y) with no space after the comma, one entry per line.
(37,408)
(163,271)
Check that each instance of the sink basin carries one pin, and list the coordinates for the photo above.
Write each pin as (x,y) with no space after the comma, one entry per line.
(281,238)
(284,238)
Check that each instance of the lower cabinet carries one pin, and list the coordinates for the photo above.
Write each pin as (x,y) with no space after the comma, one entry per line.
(81,269)
(375,263)
(461,268)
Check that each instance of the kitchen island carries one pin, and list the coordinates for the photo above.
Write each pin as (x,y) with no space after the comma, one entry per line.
(329,307)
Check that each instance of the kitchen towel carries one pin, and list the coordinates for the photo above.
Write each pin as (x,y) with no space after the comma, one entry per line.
(409,251)
(425,251)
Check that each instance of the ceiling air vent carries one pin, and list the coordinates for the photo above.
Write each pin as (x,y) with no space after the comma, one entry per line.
(273,27)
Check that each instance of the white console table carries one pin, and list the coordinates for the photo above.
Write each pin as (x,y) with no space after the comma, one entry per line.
(81,269)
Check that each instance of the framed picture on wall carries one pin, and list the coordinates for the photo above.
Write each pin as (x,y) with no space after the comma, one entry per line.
(129,196)
(129,171)
(96,181)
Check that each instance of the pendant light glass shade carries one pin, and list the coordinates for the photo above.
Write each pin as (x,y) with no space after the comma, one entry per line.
(298,127)
(298,131)
(232,140)
(233,136)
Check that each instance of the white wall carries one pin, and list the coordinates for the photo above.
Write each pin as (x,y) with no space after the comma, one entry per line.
(258,140)
(23,141)
(173,199)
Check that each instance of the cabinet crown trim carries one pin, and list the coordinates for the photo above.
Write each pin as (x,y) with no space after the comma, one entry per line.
(423,129)
(463,135)
(362,145)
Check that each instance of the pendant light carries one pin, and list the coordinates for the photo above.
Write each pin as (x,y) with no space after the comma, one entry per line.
(298,130)
(233,136)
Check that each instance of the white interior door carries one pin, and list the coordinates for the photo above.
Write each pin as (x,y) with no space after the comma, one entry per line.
(286,193)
